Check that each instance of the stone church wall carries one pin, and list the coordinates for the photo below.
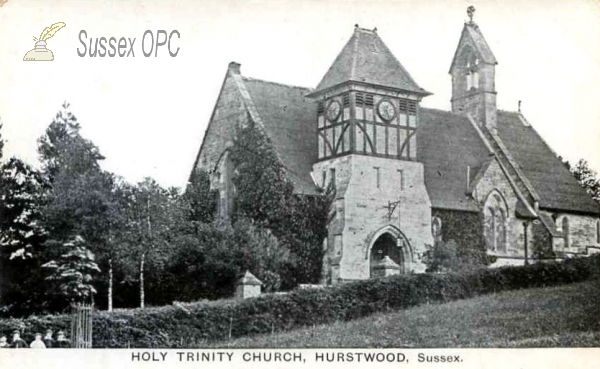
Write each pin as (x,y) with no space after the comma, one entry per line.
(583,233)
(229,113)
(465,228)
(361,210)
(495,179)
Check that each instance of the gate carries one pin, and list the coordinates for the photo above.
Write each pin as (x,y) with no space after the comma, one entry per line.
(81,325)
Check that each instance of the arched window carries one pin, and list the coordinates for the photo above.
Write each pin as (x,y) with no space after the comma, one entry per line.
(500,234)
(436,229)
(495,222)
(471,68)
(566,230)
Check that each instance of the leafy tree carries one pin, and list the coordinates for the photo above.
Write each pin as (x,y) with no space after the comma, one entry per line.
(72,271)
(153,213)
(442,257)
(259,251)
(588,178)
(21,235)
(1,142)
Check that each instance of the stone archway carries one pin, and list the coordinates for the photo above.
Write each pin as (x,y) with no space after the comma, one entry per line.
(391,243)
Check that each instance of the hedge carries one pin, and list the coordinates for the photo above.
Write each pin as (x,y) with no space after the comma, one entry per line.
(192,324)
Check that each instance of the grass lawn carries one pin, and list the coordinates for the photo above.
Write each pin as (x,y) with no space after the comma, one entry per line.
(565,316)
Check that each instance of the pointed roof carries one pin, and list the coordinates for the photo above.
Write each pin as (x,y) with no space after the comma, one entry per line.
(475,38)
(366,59)
(249,279)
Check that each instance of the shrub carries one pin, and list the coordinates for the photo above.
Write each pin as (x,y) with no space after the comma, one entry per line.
(188,325)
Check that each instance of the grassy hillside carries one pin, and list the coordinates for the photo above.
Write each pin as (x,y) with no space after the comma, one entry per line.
(564,316)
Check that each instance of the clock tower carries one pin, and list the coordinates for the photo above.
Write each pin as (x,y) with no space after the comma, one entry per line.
(367,125)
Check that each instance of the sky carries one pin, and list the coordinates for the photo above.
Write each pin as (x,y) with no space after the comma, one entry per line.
(148,114)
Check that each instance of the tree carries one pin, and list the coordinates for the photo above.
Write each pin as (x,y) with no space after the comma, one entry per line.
(78,201)
(266,195)
(72,271)
(153,213)
(442,257)
(1,142)
(21,235)
(588,178)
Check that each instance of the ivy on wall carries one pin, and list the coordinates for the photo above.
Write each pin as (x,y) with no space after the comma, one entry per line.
(266,195)
(542,242)
(466,230)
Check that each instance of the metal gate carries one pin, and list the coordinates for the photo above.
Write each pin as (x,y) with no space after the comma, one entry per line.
(81,325)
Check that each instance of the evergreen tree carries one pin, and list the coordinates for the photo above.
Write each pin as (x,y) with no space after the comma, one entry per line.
(78,201)
(72,271)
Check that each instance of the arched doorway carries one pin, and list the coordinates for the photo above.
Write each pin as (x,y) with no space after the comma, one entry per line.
(394,246)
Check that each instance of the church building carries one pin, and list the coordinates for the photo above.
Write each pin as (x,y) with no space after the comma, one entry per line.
(407,176)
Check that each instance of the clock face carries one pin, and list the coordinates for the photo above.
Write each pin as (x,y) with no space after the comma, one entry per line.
(386,110)
(333,110)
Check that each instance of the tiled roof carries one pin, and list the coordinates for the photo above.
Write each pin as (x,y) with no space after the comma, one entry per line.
(365,58)
(289,119)
(557,188)
(446,144)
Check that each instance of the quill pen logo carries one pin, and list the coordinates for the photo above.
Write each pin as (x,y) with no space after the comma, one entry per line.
(40,52)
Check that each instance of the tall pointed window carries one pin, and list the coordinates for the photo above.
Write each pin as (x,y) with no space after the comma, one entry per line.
(471,69)
(565,229)
(495,222)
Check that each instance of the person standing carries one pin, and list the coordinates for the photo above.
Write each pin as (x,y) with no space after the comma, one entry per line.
(3,343)
(48,340)
(17,342)
(37,343)
(61,341)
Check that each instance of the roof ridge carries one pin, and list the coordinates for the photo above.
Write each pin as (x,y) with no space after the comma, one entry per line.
(252,79)
(446,112)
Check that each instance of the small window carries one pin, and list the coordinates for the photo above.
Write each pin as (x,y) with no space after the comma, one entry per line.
(377,177)
(360,99)
(598,231)
(369,100)
(346,100)
(320,108)
(412,107)
(332,173)
(401,172)
(566,231)
(436,228)
(324,178)
(403,105)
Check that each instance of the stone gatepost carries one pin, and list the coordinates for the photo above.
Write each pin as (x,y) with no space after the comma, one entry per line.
(386,267)
(247,286)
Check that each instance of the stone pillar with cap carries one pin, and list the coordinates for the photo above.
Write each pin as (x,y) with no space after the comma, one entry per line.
(247,286)
(386,267)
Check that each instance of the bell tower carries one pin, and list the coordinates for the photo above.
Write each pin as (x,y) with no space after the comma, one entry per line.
(473,76)
(367,125)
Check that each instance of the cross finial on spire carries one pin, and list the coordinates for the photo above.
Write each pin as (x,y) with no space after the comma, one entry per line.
(470,13)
